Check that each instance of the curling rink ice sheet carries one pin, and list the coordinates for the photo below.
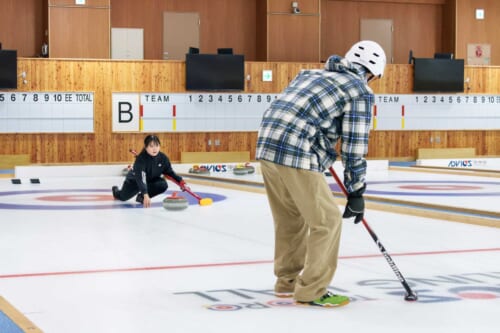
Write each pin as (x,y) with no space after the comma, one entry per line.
(473,192)
(74,260)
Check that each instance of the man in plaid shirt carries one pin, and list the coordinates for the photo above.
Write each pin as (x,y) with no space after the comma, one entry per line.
(296,143)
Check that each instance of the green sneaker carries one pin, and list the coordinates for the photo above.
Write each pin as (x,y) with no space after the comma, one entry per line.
(328,300)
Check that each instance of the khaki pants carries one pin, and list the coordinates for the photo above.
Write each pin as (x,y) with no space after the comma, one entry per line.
(307,224)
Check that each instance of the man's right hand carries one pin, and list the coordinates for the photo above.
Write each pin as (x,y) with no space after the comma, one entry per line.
(355,205)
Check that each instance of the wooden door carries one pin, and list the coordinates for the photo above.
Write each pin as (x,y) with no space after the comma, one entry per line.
(380,31)
(180,32)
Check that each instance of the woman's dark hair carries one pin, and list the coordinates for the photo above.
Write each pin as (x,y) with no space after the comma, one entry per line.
(151,138)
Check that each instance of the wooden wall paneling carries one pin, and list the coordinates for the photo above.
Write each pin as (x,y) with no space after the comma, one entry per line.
(105,77)
(417,26)
(484,80)
(492,142)
(8,29)
(325,33)
(79,31)
(379,139)
(342,29)
(470,30)
(397,79)
(293,38)
(45,23)
(287,71)
(404,144)
(449,38)
(381,144)
(216,16)
(405,2)
(218,27)
(466,139)
(254,71)
(21,26)
(283,73)
(25,32)
(147,15)
(261,26)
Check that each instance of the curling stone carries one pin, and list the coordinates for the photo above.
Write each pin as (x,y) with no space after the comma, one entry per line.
(243,169)
(175,202)
(250,168)
(199,170)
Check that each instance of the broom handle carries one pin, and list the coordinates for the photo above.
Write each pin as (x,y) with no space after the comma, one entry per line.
(382,249)
(187,190)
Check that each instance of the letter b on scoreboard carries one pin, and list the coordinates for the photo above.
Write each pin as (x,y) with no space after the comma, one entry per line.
(126,112)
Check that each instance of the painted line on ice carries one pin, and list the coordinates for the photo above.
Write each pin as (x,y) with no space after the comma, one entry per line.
(226,264)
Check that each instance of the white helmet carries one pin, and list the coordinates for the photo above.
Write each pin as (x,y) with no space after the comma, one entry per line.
(369,54)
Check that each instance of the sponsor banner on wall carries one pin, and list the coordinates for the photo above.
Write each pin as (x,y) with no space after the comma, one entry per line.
(463,163)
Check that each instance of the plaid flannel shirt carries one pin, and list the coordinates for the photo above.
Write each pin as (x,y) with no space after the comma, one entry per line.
(301,128)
